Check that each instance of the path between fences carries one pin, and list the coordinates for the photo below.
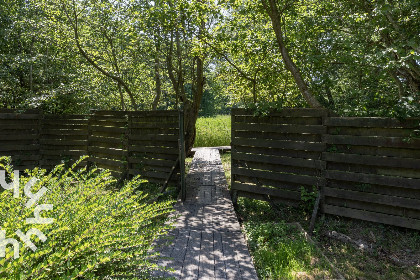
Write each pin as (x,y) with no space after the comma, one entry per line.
(207,240)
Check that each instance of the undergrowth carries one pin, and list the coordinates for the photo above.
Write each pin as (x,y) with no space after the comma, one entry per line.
(98,231)
(213,131)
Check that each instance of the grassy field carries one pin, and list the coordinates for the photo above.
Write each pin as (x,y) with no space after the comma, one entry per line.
(213,131)
(276,258)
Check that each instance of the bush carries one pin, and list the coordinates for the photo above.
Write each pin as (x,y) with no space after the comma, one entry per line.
(98,232)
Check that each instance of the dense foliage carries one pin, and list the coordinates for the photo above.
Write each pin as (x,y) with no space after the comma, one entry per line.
(356,57)
(97,231)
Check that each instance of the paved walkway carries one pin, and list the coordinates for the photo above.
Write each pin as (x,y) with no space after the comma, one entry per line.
(208,242)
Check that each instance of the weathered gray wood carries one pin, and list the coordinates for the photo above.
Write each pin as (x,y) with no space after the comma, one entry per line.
(395,142)
(279,144)
(371,197)
(266,191)
(372,122)
(216,248)
(372,216)
(372,160)
(286,112)
(281,128)
(373,179)
(317,164)
(282,177)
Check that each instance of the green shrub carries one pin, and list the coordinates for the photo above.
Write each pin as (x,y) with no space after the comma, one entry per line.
(98,232)
(213,131)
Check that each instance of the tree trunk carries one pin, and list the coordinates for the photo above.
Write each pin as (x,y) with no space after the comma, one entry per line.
(157,84)
(274,14)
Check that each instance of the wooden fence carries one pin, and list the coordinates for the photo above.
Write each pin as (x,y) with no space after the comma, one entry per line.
(125,142)
(366,168)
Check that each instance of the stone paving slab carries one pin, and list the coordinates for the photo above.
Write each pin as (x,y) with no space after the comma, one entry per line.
(207,240)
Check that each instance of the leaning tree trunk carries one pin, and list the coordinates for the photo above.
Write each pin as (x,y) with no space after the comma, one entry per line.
(273,11)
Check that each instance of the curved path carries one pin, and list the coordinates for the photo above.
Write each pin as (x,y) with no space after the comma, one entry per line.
(208,242)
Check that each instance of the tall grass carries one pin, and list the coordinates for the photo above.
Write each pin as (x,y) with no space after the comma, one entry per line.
(213,131)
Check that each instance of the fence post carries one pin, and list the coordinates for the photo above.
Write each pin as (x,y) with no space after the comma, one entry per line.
(182,153)
(233,193)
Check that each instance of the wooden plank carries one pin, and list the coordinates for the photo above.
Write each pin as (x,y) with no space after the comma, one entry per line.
(372,122)
(279,120)
(18,126)
(371,169)
(282,177)
(278,168)
(373,207)
(158,113)
(372,216)
(63,142)
(154,155)
(154,137)
(116,130)
(373,179)
(278,136)
(19,148)
(101,139)
(63,152)
(65,117)
(278,152)
(106,161)
(394,142)
(376,151)
(154,131)
(150,174)
(16,116)
(281,128)
(375,189)
(171,151)
(152,162)
(371,131)
(64,122)
(109,151)
(286,112)
(280,144)
(160,125)
(372,160)
(266,191)
(300,162)
(370,197)
(69,131)
(112,123)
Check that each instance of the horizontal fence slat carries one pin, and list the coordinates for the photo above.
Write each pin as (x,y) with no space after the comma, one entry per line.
(372,122)
(396,142)
(286,112)
(372,160)
(300,162)
(14,116)
(373,179)
(279,144)
(281,177)
(153,150)
(370,197)
(280,128)
(266,191)
(372,216)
